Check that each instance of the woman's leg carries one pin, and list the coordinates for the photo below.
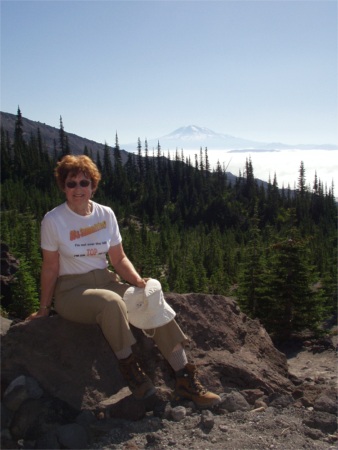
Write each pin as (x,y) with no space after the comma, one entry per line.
(91,298)
(75,301)
(170,340)
(168,337)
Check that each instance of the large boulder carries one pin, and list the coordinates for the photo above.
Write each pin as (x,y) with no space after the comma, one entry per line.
(74,363)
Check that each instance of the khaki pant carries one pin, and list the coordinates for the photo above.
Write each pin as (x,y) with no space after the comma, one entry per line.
(96,297)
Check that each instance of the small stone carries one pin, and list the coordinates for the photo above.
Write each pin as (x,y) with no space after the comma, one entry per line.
(153,438)
(260,404)
(207,419)
(325,403)
(178,413)
(223,428)
(235,402)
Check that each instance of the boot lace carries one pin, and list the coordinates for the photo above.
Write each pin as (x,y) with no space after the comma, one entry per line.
(133,373)
(196,384)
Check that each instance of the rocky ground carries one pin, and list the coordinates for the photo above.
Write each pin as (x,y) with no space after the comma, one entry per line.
(62,389)
(283,422)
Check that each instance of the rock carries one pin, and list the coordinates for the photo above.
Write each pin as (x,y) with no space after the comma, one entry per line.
(325,422)
(280,400)
(227,343)
(260,404)
(48,440)
(19,390)
(207,419)
(313,433)
(74,363)
(38,417)
(178,413)
(326,402)
(27,419)
(235,401)
(153,439)
(71,436)
(6,416)
(82,375)
(86,419)
(5,324)
(252,395)
(123,405)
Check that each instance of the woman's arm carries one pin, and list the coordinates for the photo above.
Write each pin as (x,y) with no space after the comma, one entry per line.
(49,275)
(124,267)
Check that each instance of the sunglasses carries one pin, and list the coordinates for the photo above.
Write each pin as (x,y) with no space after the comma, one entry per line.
(73,184)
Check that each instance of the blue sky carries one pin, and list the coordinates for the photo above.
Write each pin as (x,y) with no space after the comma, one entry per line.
(261,70)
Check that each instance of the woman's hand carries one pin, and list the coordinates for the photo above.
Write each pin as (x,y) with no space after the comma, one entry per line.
(38,314)
(124,267)
(141,283)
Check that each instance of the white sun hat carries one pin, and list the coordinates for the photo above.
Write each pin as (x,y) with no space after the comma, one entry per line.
(147,308)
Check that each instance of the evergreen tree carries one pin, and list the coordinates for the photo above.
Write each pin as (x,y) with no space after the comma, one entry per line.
(63,141)
(19,148)
(252,281)
(139,157)
(24,291)
(6,157)
(294,305)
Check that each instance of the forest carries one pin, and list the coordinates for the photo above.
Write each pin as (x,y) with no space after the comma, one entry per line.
(271,248)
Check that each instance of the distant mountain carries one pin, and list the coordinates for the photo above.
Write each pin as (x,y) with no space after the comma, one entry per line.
(193,137)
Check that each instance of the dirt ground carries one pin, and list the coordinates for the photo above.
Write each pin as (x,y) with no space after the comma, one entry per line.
(282,426)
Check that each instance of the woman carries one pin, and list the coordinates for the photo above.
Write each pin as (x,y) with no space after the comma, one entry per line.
(76,238)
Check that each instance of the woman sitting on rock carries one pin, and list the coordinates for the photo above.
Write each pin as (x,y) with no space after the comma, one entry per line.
(76,238)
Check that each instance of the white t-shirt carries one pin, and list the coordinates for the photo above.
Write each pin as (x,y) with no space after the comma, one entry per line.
(82,241)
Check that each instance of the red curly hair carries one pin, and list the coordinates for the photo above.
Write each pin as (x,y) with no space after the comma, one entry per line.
(74,164)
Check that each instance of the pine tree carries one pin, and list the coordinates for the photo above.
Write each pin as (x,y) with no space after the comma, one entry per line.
(6,157)
(294,305)
(252,280)
(19,148)
(139,157)
(63,140)
(24,291)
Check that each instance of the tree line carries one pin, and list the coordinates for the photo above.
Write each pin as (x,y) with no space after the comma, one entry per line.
(272,248)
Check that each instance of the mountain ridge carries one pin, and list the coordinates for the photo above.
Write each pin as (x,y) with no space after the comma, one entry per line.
(50,135)
(190,137)
(193,136)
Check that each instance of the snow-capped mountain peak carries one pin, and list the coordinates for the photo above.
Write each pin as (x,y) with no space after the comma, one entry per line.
(194,137)
(190,132)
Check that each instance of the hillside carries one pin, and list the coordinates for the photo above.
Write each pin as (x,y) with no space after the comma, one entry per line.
(50,136)
(77,144)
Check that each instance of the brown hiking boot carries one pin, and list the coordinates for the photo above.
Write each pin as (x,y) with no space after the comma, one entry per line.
(188,386)
(139,383)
